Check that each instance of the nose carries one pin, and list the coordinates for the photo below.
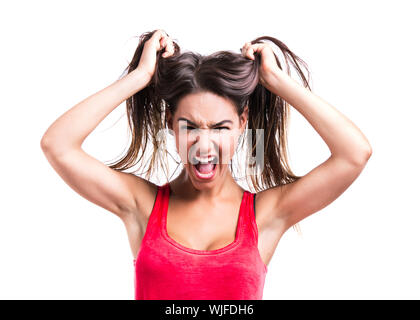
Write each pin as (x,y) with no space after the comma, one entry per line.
(204,145)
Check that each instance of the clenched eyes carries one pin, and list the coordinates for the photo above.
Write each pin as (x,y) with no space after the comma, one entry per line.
(192,128)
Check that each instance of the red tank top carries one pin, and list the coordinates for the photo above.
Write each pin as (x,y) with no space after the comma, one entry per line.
(167,270)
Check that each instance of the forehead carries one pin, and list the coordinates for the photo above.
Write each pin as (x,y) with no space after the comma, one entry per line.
(206,108)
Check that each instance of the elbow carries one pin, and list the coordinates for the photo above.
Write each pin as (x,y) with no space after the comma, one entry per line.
(45,145)
(48,144)
(363,155)
(357,156)
(367,153)
(54,147)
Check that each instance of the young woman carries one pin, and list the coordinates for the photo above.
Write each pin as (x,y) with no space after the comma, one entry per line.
(207,238)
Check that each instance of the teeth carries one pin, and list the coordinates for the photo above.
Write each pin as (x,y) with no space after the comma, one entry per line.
(204,160)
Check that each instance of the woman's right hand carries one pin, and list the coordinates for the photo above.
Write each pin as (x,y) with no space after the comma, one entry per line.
(157,42)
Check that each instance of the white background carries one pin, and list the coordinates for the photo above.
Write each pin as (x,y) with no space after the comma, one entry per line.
(363,58)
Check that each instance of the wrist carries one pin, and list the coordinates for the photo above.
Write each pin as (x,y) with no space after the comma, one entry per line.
(140,74)
(279,74)
(283,83)
(139,79)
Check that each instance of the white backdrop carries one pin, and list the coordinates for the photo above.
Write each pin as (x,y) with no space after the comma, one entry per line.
(363,59)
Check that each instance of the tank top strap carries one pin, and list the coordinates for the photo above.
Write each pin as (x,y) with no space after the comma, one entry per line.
(155,218)
(247,226)
(250,230)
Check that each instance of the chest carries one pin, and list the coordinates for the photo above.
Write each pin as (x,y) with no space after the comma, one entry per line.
(202,226)
(207,227)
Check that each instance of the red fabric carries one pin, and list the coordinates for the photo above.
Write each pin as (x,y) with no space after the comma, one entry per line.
(166,270)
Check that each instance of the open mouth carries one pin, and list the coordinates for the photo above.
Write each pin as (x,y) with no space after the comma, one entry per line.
(205,169)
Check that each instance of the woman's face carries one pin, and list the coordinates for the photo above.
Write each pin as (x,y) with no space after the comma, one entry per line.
(206,129)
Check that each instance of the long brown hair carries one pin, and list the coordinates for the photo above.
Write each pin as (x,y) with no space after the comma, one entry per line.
(227,74)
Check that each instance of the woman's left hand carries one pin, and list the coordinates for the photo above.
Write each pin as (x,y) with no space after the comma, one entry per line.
(268,66)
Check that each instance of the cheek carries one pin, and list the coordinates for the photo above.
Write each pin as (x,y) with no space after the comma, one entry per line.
(184,142)
(228,144)
(227,148)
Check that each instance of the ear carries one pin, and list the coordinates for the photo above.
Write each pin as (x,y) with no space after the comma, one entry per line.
(243,118)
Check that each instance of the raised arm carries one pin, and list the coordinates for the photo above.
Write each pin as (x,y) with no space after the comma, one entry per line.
(288,204)
(118,192)
(350,150)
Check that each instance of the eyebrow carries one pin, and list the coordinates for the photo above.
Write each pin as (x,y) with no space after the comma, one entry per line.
(212,125)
